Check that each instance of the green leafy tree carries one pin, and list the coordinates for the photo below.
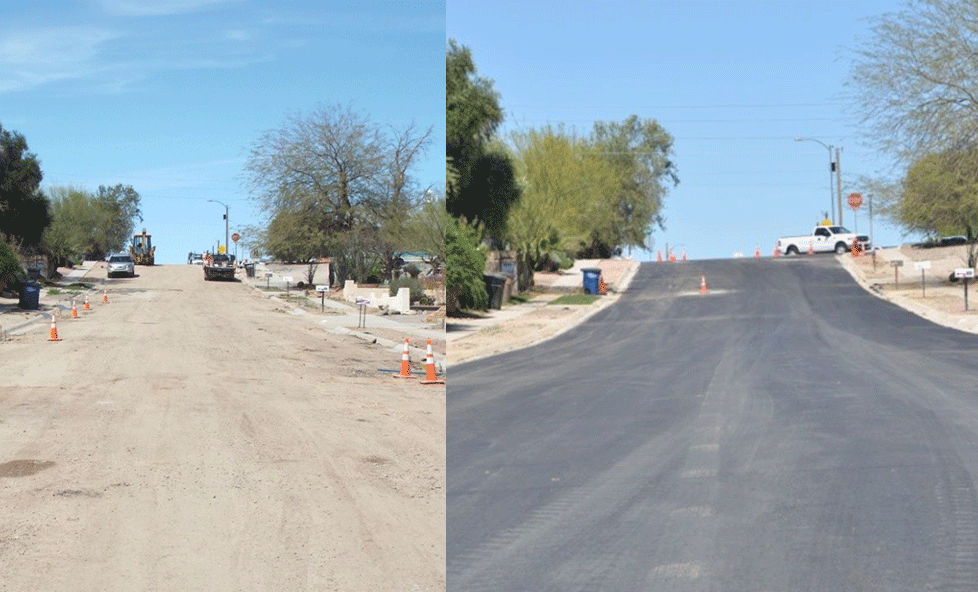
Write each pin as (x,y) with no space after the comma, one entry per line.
(23,208)
(940,196)
(73,224)
(639,151)
(118,210)
(11,269)
(89,226)
(563,198)
(424,231)
(481,183)
(466,265)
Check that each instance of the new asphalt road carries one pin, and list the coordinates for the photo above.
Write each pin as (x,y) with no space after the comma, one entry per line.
(785,430)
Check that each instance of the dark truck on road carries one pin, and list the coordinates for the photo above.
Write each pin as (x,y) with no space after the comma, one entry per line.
(218,267)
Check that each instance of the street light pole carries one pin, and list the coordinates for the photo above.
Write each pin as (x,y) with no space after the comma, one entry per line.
(831,183)
(225,223)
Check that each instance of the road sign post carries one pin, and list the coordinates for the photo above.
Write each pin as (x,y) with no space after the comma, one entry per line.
(855,200)
(896,264)
(922,266)
(965,273)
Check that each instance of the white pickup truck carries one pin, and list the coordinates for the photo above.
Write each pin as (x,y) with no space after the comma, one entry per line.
(824,239)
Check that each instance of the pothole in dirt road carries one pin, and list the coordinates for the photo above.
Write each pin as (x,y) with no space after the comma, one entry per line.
(79,493)
(24,468)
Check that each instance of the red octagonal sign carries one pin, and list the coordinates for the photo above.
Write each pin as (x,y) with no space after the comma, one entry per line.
(855,200)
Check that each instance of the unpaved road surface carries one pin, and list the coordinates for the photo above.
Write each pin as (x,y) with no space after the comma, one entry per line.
(193,435)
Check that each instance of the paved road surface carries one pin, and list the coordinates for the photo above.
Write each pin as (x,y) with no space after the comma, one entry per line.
(784,431)
(194,435)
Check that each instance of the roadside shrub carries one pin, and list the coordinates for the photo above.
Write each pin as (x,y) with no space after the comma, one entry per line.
(412,270)
(466,263)
(412,284)
(11,271)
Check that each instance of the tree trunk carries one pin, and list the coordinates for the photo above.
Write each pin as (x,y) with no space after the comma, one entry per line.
(524,271)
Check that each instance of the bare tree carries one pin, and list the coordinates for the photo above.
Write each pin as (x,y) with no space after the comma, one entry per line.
(327,161)
(916,79)
(345,180)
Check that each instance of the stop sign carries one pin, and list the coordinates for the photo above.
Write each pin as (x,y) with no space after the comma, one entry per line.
(855,200)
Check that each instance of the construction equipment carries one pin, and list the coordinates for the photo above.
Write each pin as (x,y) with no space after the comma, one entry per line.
(142,250)
(218,267)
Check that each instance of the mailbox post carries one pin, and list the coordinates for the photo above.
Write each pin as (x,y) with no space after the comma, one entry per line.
(922,266)
(896,264)
(965,273)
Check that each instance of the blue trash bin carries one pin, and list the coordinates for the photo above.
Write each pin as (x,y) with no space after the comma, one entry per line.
(30,296)
(592,276)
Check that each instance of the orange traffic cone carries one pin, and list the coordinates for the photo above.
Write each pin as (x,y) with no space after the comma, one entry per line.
(431,376)
(105,296)
(811,248)
(87,306)
(54,329)
(405,363)
(74,309)
(602,288)
(777,253)
(703,285)
(660,256)
(855,248)
(757,252)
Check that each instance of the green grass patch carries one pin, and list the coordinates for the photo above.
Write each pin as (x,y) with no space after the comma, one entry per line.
(54,291)
(575,299)
(519,299)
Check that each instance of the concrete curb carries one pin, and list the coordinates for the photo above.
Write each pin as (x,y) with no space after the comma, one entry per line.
(594,309)
(938,317)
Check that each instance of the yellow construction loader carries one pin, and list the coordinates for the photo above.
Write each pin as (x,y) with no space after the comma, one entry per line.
(142,249)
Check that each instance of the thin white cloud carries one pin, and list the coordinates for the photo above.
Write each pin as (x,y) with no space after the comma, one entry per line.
(159,7)
(39,56)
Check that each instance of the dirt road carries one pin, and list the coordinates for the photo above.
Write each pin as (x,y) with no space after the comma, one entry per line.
(189,435)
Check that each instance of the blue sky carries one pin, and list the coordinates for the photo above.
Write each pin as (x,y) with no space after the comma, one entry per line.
(734,82)
(170,95)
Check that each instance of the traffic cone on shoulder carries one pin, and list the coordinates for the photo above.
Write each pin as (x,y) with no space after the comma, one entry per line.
(659,256)
(811,249)
(105,296)
(87,306)
(74,309)
(54,329)
(757,252)
(602,288)
(431,376)
(703,285)
(405,363)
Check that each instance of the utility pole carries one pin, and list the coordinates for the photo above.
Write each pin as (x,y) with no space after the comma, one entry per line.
(838,181)
(226,248)
(831,171)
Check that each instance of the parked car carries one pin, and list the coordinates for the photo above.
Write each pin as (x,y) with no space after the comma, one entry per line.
(121,265)
(944,241)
